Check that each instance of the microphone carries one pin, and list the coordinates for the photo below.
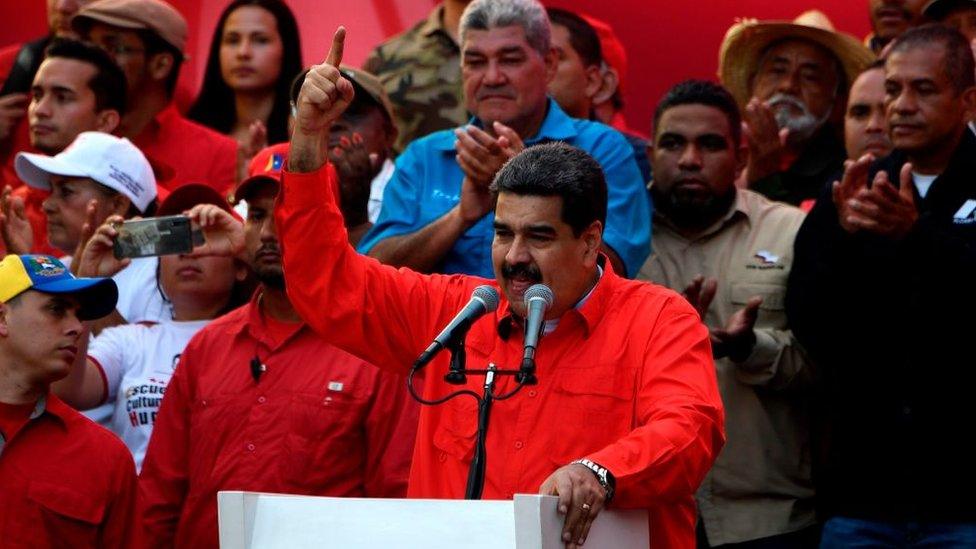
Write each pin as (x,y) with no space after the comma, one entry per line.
(483,300)
(538,298)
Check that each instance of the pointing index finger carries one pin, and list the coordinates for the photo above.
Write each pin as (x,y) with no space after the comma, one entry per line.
(338,44)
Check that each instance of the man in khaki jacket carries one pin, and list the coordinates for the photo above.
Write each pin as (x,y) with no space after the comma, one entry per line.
(730,250)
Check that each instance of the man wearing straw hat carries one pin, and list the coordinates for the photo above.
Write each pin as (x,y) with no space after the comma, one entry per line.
(791,81)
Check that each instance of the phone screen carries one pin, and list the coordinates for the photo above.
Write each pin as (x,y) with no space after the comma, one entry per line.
(156,236)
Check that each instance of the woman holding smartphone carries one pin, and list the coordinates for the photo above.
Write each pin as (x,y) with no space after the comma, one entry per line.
(132,364)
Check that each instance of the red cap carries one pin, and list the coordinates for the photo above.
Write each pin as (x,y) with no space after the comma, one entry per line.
(265,167)
(614,53)
(187,196)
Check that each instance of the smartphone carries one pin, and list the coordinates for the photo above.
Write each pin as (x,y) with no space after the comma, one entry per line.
(154,236)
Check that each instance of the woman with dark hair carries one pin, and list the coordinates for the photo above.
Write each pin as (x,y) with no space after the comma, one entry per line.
(130,365)
(254,55)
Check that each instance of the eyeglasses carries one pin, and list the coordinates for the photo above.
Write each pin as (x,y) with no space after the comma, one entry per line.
(120,49)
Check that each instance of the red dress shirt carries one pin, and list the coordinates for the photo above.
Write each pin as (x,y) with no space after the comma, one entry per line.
(66,482)
(318,422)
(195,153)
(626,380)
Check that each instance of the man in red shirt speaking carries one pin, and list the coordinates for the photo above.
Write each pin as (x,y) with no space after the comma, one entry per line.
(626,384)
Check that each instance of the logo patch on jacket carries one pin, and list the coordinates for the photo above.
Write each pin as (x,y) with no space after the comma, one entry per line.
(766,260)
(966,214)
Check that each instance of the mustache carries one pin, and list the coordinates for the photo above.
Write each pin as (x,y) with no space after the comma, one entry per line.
(273,248)
(788,100)
(523,270)
(503,91)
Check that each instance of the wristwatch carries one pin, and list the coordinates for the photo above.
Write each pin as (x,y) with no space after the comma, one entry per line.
(603,475)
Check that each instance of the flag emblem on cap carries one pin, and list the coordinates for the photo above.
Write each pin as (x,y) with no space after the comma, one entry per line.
(274,162)
(41,266)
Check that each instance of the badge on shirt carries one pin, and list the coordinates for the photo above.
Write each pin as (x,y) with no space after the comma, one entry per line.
(767,260)
(965,215)
(335,386)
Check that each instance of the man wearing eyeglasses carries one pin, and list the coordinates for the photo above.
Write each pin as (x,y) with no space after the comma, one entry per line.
(147,38)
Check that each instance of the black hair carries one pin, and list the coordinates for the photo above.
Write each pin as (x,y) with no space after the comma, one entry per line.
(215,106)
(582,35)
(558,169)
(133,210)
(702,92)
(155,45)
(108,83)
(958,64)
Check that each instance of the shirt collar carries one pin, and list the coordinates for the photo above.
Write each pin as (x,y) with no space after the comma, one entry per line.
(253,322)
(434,23)
(556,126)
(589,309)
(53,406)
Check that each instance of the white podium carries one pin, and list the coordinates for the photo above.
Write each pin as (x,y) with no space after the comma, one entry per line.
(250,520)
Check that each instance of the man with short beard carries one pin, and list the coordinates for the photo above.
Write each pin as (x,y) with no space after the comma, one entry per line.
(791,81)
(261,395)
(881,295)
(730,251)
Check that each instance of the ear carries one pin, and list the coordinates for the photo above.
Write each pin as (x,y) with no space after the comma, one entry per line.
(594,81)
(241,271)
(741,155)
(160,66)
(4,327)
(551,59)
(969,103)
(592,238)
(107,120)
(608,87)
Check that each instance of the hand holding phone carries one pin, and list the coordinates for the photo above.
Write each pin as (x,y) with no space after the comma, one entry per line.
(155,236)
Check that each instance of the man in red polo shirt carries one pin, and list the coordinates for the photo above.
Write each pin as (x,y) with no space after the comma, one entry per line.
(626,401)
(260,402)
(147,39)
(64,481)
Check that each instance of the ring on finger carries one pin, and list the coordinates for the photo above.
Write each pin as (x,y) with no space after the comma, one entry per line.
(585,506)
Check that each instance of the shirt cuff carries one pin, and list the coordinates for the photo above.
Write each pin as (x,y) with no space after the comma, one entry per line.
(306,190)
(764,353)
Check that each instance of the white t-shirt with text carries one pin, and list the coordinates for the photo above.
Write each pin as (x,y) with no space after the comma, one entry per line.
(137,361)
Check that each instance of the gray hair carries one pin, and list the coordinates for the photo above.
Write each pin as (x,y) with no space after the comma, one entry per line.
(528,14)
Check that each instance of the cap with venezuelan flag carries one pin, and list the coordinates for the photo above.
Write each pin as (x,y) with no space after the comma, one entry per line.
(43,273)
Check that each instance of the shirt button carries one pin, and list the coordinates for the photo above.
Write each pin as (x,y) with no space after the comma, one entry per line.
(518,445)
(261,399)
(532,393)
(250,447)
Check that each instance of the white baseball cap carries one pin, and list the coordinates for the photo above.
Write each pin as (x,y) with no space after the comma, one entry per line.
(112,161)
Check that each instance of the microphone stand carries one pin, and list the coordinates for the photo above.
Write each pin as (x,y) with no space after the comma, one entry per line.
(458,371)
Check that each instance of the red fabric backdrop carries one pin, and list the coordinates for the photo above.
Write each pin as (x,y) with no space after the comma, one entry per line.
(666,41)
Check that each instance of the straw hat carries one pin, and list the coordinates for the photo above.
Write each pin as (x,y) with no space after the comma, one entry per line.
(747,40)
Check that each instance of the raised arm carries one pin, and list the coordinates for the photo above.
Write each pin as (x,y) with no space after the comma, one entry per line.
(378,313)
